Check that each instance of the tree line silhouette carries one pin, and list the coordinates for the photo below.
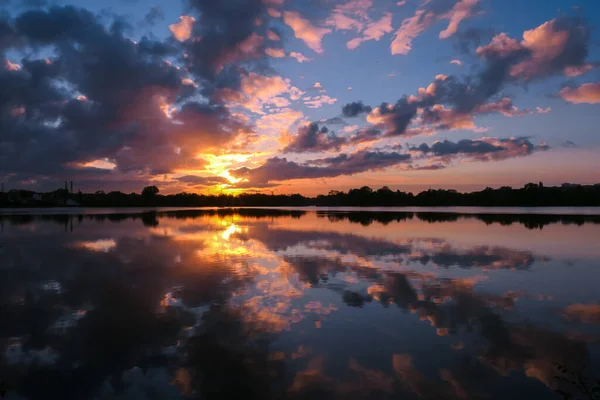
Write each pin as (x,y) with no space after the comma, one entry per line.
(531,195)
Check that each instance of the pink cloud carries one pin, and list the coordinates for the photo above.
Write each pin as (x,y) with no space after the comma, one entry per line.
(461,11)
(305,31)
(503,106)
(374,31)
(541,110)
(275,53)
(577,71)
(10,66)
(272,35)
(424,18)
(556,46)
(274,13)
(501,45)
(545,43)
(182,30)
(301,58)
(587,93)
(410,29)
(320,101)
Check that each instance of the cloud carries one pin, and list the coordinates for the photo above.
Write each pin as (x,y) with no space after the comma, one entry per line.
(117,99)
(280,169)
(485,149)
(556,46)
(154,15)
(226,40)
(588,313)
(354,109)
(311,138)
(541,110)
(319,101)
(278,122)
(272,35)
(587,93)
(301,58)
(274,13)
(305,31)
(182,30)
(351,15)
(257,91)
(503,106)
(374,31)
(456,11)
(202,180)
(275,53)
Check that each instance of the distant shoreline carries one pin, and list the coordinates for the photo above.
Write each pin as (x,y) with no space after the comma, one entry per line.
(532,195)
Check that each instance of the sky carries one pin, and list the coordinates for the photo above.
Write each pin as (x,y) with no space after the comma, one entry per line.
(298,96)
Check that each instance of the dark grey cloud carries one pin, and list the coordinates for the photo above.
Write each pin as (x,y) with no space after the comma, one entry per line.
(154,15)
(365,135)
(311,138)
(279,169)
(569,144)
(100,95)
(333,121)
(230,38)
(354,109)
(487,149)
(465,146)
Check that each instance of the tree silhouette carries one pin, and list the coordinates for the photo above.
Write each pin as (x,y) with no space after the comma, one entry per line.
(150,191)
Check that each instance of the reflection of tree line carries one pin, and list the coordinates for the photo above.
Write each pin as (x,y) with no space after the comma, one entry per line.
(530,221)
(151,218)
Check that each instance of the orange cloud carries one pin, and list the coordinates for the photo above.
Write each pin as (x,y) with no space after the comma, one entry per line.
(278,122)
(305,31)
(182,30)
(588,313)
(587,93)
(256,91)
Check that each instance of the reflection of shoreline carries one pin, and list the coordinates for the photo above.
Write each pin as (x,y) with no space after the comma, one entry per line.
(366,218)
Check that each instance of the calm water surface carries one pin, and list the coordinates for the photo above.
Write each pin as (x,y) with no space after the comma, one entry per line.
(298,304)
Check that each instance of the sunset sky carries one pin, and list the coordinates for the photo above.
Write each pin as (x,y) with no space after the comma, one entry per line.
(298,96)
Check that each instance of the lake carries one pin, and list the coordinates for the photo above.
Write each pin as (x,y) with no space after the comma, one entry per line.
(299,304)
